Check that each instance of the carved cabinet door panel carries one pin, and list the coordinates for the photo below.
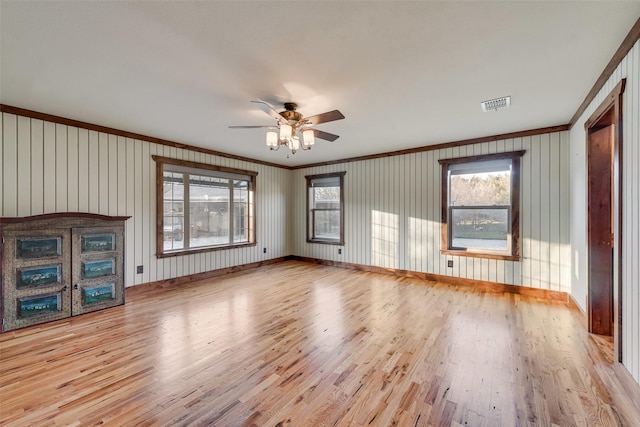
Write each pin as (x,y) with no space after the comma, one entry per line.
(36,279)
(97,271)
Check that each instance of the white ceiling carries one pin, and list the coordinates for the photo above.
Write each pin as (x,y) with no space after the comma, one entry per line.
(405,74)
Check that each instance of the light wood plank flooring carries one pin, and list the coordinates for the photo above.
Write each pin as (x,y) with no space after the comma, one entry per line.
(296,344)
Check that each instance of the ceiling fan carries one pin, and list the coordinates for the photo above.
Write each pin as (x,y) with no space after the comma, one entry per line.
(292,125)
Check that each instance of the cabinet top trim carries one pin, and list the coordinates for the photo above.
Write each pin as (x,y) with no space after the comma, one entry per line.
(58,215)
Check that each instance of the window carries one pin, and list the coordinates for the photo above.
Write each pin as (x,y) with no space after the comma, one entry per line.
(325,208)
(481,205)
(202,207)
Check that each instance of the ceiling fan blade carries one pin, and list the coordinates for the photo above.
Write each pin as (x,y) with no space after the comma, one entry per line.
(324,135)
(270,111)
(254,127)
(329,116)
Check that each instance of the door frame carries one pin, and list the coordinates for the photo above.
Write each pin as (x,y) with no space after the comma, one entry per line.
(600,226)
(611,105)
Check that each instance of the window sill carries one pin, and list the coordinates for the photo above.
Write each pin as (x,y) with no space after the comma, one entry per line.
(326,242)
(202,250)
(487,255)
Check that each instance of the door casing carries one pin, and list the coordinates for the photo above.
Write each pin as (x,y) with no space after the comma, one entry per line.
(607,116)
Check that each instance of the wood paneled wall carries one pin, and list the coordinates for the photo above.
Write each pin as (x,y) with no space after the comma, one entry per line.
(393,214)
(47,167)
(629,68)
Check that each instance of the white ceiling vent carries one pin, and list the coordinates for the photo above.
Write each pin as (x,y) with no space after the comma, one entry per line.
(496,104)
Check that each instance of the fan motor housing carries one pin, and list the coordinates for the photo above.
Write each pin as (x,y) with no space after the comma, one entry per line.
(290,112)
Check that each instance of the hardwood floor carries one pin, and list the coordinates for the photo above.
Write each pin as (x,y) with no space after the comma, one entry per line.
(296,344)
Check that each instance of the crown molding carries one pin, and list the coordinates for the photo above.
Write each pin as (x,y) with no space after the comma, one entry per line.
(98,128)
(627,44)
(491,138)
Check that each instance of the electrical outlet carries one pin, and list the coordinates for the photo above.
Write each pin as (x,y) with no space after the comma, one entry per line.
(450,263)
(140,269)
(339,251)
(264,250)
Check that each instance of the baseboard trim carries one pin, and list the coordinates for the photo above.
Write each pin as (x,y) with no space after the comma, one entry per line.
(582,315)
(132,291)
(477,284)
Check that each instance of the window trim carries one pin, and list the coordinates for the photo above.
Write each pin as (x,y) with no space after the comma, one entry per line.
(515,157)
(160,169)
(310,178)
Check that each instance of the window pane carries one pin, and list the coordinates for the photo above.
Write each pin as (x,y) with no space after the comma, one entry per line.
(173,192)
(240,211)
(326,224)
(204,207)
(325,219)
(480,228)
(326,197)
(208,211)
(481,189)
(481,215)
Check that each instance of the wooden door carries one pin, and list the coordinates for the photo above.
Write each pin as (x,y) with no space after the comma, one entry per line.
(600,223)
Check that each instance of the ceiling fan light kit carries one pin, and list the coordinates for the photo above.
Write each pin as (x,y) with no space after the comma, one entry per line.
(292,127)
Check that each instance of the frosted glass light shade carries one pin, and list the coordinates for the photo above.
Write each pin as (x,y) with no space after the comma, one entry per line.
(272,139)
(308,137)
(285,132)
(295,143)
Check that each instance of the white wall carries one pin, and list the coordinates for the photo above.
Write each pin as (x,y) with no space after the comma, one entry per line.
(629,68)
(47,167)
(393,214)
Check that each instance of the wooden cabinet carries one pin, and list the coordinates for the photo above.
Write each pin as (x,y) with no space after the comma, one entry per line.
(60,265)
